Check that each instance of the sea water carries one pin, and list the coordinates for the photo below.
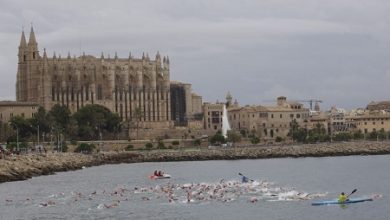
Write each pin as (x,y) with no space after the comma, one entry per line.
(125,191)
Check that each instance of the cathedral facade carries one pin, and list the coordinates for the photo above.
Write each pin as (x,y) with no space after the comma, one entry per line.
(134,88)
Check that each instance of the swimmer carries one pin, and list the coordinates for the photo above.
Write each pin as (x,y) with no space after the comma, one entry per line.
(188,196)
(253,199)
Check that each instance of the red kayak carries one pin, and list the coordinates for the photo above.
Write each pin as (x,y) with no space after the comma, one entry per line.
(164,176)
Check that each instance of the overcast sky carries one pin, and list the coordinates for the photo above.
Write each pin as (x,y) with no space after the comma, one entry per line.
(334,50)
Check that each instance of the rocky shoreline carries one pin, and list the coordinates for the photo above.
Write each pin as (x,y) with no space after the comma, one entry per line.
(26,166)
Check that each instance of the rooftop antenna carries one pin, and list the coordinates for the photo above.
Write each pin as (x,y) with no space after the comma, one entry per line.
(80,44)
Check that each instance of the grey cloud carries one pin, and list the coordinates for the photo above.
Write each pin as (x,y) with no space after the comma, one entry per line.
(256,49)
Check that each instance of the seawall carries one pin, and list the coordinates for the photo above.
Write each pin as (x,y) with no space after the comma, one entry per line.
(26,166)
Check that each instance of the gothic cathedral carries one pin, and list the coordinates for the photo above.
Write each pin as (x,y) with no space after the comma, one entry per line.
(127,86)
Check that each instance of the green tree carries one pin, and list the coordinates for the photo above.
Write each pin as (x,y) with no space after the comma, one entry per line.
(148,146)
(358,135)
(342,136)
(60,115)
(382,134)
(373,135)
(129,147)
(92,120)
(85,148)
(161,145)
(233,136)
(243,132)
(22,126)
(73,128)
(255,140)
(296,133)
(279,139)
(197,142)
(317,134)
(218,138)
(42,120)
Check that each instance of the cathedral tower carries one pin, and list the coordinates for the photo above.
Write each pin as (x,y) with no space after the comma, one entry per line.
(21,92)
(28,76)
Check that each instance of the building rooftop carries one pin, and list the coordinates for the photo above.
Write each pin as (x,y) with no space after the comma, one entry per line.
(15,103)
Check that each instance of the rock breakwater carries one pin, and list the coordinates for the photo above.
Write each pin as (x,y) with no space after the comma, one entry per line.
(22,167)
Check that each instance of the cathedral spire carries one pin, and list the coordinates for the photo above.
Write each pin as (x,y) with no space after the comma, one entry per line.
(68,55)
(158,59)
(22,48)
(102,56)
(45,61)
(32,40)
(23,42)
(116,55)
(44,53)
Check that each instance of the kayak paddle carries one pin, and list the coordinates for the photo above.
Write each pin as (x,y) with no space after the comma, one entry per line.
(246,177)
(353,191)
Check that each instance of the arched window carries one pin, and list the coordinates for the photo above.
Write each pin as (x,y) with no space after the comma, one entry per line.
(53,91)
(100,92)
(86,93)
(72,94)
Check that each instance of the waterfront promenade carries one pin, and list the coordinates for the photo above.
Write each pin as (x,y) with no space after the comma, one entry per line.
(21,167)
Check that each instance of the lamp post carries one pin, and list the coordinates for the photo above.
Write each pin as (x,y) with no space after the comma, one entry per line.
(58,140)
(51,137)
(38,135)
(17,134)
(17,139)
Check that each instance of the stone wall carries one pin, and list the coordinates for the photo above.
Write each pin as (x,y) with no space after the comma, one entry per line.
(14,168)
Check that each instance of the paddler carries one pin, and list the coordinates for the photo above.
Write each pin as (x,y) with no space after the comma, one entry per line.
(244,179)
(343,198)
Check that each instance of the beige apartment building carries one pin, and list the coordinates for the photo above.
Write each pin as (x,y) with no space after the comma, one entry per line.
(212,116)
(9,109)
(370,121)
(381,105)
(316,118)
(268,122)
